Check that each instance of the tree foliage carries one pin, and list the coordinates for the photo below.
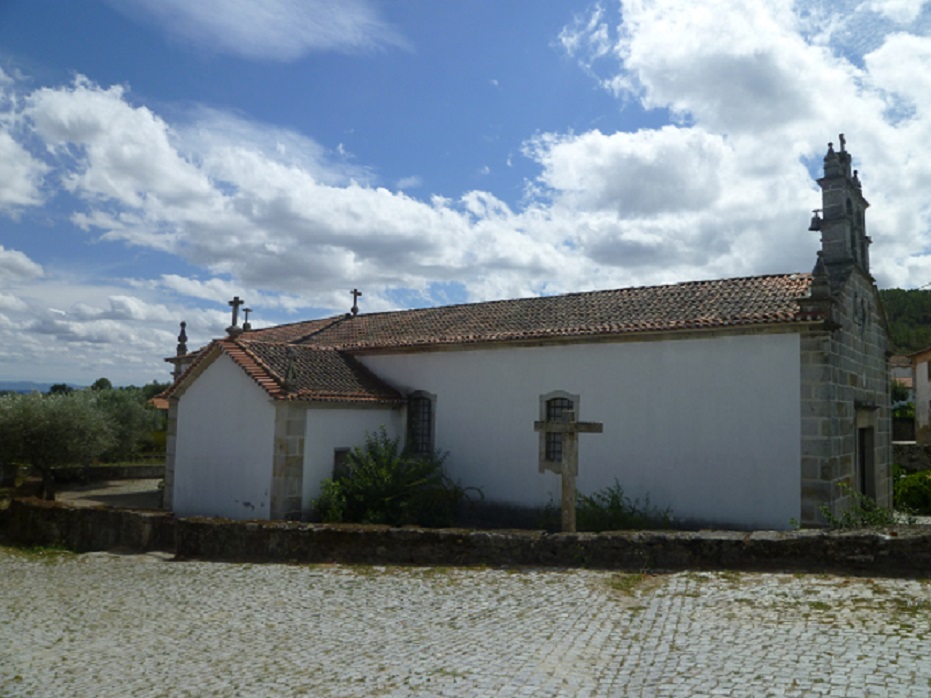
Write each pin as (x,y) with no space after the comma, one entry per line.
(47,431)
(132,421)
(68,427)
(102,384)
(908,313)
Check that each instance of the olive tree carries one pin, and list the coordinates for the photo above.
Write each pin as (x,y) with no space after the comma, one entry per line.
(132,421)
(47,431)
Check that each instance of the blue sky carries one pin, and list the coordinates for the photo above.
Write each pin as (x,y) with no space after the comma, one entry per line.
(158,157)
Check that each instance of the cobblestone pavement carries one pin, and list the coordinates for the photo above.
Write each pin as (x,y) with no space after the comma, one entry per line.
(107,625)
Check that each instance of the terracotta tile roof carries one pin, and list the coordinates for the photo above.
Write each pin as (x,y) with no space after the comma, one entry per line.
(758,300)
(313,373)
(297,372)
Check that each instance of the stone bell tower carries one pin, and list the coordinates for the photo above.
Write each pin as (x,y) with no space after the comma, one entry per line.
(842,222)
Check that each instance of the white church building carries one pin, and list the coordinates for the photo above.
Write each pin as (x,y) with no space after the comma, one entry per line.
(744,402)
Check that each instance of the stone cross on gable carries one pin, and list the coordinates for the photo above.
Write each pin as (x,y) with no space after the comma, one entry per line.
(355,300)
(569,466)
(235,303)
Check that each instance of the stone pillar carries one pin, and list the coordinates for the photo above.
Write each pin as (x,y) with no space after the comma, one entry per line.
(288,465)
(171,443)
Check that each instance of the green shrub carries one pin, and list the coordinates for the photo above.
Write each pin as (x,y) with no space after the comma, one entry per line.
(610,509)
(382,484)
(913,493)
(863,512)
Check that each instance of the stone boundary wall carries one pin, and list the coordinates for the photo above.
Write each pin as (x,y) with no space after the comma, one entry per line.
(96,473)
(33,521)
(896,551)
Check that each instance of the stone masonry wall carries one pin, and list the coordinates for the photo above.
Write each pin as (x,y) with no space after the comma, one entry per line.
(845,385)
(288,464)
(900,550)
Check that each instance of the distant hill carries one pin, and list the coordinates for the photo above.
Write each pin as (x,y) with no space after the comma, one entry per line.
(26,386)
(909,316)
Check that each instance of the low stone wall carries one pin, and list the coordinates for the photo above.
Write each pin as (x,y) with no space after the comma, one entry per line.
(83,529)
(96,473)
(898,551)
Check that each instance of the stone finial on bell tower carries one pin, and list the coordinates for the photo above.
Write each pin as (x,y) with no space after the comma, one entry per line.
(181,349)
(843,223)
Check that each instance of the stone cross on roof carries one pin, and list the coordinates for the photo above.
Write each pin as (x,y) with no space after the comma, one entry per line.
(234,328)
(355,300)
(235,303)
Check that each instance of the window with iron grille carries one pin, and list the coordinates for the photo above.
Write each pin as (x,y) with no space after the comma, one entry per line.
(420,424)
(554,410)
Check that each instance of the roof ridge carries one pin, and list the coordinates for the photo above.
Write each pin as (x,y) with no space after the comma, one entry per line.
(569,294)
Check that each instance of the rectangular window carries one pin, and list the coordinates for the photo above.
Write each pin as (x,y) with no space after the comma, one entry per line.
(554,411)
(420,424)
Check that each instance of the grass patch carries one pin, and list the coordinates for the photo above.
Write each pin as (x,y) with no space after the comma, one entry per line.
(39,552)
(629,584)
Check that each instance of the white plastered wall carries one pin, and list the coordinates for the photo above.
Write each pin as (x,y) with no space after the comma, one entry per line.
(708,427)
(225,445)
(331,428)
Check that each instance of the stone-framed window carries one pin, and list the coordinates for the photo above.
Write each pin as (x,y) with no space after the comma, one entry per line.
(421,419)
(552,407)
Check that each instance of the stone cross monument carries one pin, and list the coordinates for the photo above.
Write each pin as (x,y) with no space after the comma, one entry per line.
(569,466)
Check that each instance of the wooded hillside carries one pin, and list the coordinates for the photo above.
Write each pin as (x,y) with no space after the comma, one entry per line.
(909,316)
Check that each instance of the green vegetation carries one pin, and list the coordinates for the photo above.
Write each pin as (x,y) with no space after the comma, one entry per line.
(133,422)
(49,431)
(912,493)
(68,428)
(909,316)
(610,509)
(382,484)
(863,512)
(627,584)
